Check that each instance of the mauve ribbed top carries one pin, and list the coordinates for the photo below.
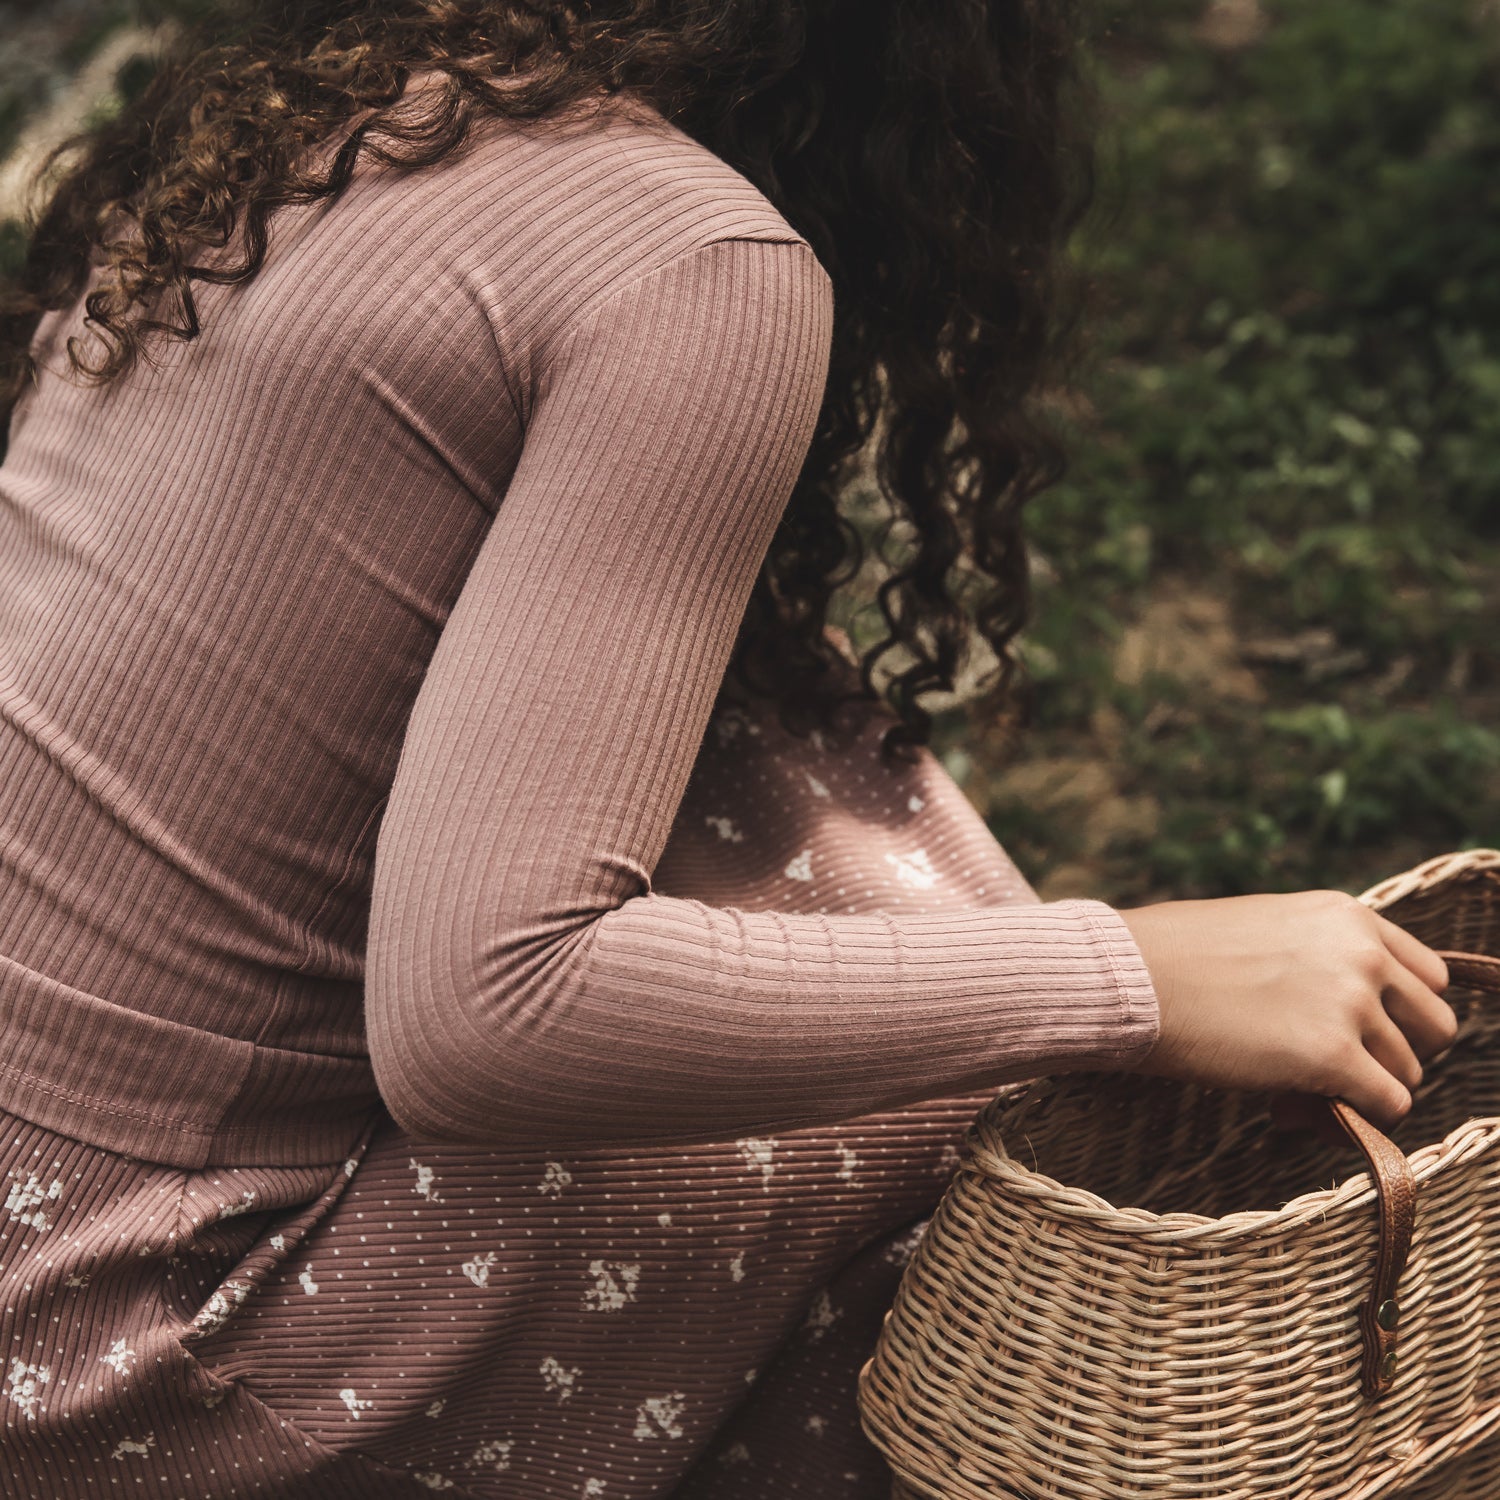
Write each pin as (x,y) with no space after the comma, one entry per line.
(354,658)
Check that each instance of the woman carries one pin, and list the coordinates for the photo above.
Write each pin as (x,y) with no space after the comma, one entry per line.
(488,991)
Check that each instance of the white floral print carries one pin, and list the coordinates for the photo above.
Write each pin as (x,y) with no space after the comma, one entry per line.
(434,1481)
(23,1384)
(729,725)
(426,1184)
(821,1316)
(127,1446)
(493,1455)
(555,1179)
(305,1280)
(800,868)
(914,869)
(614,1285)
(726,830)
(352,1399)
(558,1378)
(25,1203)
(219,1308)
(900,1251)
(659,1416)
(760,1156)
(478,1269)
(848,1159)
(120,1357)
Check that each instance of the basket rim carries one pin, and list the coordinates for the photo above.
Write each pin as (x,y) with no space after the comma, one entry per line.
(1441,869)
(1354,1192)
(1180,1226)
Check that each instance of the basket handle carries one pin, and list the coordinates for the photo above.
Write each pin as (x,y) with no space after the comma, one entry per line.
(1396,1189)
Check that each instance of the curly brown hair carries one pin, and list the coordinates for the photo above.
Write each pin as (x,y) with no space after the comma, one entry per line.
(937,156)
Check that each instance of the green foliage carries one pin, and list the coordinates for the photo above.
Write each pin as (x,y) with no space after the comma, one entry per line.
(1295,408)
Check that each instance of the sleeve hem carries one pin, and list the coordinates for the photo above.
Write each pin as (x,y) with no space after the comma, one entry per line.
(1140,1011)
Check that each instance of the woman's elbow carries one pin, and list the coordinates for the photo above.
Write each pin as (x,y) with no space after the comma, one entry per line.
(430,1086)
(460,1052)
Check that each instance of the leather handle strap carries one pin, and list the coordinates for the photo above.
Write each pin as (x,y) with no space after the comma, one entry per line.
(1396,1189)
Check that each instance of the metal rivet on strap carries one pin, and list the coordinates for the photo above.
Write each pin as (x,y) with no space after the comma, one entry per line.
(1388,1366)
(1388,1314)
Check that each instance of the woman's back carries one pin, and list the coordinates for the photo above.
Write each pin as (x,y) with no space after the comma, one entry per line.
(222,579)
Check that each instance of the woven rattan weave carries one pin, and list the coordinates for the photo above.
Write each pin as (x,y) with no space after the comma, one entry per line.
(1201,1340)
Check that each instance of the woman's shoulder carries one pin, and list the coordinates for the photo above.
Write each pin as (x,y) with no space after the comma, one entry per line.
(609,168)
(531,224)
(541,220)
(602,192)
(622,162)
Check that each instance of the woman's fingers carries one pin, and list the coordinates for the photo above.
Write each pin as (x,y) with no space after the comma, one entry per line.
(1412,954)
(1388,1045)
(1376,1093)
(1425,1019)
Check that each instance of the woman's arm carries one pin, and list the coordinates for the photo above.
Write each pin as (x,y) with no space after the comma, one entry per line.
(525,985)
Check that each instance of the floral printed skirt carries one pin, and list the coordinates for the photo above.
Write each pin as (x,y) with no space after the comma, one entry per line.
(684,1323)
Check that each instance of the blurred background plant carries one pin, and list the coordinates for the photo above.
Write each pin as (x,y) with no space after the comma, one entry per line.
(1267,646)
(1266,652)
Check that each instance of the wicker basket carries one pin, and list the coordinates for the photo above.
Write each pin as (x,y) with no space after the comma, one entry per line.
(1213,1338)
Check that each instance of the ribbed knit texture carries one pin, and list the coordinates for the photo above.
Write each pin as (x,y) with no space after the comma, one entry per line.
(357,662)
(478,474)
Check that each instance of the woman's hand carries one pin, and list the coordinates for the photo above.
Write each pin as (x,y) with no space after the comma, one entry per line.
(1312,993)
